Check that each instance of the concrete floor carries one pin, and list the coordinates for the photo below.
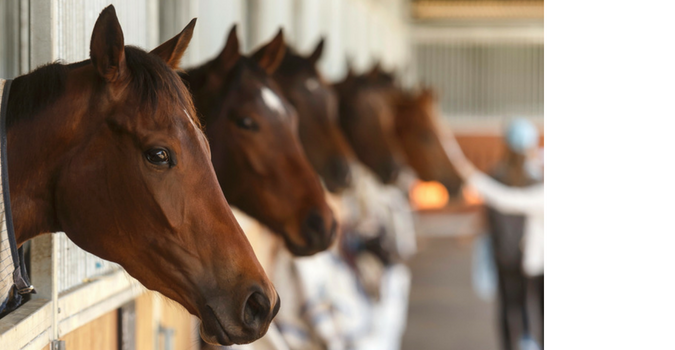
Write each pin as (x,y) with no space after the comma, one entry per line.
(444,311)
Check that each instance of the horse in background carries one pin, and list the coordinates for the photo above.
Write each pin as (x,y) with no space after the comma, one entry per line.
(316,102)
(110,151)
(256,153)
(367,121)
(419,135)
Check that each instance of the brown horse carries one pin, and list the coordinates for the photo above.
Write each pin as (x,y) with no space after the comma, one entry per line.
(256,153)
(418,134)
(367,120)
(316,102)
(110,151)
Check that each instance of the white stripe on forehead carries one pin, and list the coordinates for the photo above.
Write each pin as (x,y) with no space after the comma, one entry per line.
(190,119)
(272,101)
(199,131)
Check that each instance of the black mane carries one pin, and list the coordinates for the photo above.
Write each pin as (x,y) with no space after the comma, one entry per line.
(40,88)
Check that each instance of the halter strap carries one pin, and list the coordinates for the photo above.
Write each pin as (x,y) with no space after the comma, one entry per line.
(20,274)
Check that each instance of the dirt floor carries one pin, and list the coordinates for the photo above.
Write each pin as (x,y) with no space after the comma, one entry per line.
(444,311)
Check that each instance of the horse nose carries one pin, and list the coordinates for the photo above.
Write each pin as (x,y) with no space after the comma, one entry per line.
(340,170)
(257,312)
(340,174)
(389,170)
(317,234)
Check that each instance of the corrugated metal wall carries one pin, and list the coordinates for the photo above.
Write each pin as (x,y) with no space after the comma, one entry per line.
(363,30)
(72,35)
(483,73)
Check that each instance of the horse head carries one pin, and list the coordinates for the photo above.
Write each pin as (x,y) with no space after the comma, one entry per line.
(111,152)
(257,156)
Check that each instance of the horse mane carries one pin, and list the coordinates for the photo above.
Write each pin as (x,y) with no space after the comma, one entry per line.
(293,63)
(149,76)
(195,78)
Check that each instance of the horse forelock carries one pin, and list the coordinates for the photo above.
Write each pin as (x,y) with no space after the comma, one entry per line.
(151,82)
(158,87)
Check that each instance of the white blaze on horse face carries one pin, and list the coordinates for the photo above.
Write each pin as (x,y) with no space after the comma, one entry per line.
(273,101)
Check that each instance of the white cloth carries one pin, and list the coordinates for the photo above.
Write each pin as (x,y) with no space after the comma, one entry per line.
(369,204)
(527,201)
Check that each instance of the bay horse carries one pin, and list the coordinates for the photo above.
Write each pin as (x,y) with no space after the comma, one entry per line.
(256,153)
(110,151)
(316,103)
(367,119)
(419,136)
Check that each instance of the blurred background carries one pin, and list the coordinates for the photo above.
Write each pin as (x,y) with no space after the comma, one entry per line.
(484,60)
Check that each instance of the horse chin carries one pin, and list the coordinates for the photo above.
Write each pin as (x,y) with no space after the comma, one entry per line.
(335,187)
(298,250)
(216,334)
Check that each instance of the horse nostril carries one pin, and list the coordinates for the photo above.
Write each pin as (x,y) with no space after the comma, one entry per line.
(256,310)
(389,171)
(317,235)
(339,169)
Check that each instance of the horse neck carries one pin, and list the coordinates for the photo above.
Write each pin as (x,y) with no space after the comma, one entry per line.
(37,147)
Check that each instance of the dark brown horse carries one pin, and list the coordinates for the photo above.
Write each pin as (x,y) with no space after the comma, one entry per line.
(255,150)
(110,151)
(317,105)
(367,120)
(419,136)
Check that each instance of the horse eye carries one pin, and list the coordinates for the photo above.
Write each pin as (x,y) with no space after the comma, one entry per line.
(158,156)
(247,123)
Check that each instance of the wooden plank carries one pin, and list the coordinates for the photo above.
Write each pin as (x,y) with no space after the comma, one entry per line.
(93,293)
(176,318)
(99,334)
(26,324)
(145,328)
(108,304)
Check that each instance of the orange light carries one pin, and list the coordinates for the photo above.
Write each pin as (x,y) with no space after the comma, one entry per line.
(428,195)
(471,196)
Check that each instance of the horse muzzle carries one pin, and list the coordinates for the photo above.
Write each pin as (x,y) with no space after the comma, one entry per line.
(318,234)
(242,324)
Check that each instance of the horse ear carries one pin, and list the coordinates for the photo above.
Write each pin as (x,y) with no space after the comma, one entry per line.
(269,57)
(350,68)
(318,51)
(107,46)
(374,71)
(172,50)
(427,95)
(230,54)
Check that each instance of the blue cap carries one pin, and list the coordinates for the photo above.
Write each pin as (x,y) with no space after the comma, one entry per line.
(521,136)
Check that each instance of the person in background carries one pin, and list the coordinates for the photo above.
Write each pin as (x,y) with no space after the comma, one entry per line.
(514,197)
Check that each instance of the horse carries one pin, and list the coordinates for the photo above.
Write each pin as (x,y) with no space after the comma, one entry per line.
(367,119)
(257,156)
(110,151)
(316,102)
(419,137)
